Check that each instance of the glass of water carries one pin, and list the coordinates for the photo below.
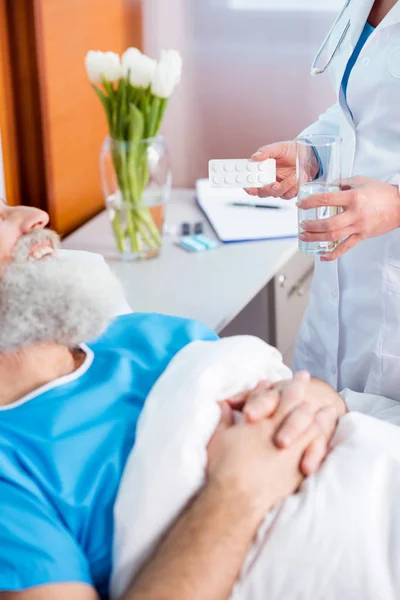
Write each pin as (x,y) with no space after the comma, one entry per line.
(318,171)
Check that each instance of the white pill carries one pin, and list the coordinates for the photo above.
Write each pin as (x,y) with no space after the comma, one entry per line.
(263,166)
(217,167)
(217,180)
(230,179)
(250,166)
(252,178)
(241,179)
(240,166)
(229,167)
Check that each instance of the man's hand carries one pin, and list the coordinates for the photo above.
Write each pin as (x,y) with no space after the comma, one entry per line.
(294,405)
(247,475)
(369,208)
(244,460)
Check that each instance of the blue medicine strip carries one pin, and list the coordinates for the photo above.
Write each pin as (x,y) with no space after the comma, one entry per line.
(197,243)
(208,243)
(189,243)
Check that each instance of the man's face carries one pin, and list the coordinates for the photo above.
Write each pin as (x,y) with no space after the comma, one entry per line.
(16,222)
(46,297)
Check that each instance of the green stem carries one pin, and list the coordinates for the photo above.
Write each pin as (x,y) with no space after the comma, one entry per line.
(127,195)
(131,167)
(118,231)
(144,215)
(147,240)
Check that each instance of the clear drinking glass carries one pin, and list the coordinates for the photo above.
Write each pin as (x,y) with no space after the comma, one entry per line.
(318,171)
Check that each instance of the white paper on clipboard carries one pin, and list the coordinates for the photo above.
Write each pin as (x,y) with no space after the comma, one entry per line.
(241,224)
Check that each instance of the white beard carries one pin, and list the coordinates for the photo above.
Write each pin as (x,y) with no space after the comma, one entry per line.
(57,299)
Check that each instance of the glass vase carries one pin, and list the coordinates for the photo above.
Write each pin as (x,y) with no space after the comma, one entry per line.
(137,179)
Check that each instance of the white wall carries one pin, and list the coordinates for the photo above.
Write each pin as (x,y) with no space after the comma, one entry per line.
(167,24)
(311,5)
(246,77)
(2,182)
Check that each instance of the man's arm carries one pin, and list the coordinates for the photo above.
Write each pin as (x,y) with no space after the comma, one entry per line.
(201,557)
(63,591)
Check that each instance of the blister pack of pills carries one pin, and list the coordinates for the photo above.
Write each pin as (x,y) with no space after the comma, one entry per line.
(244,173)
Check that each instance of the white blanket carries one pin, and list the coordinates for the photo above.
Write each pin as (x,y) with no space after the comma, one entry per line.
(339,538)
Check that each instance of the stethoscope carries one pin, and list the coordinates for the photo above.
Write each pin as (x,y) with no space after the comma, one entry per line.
(314,69)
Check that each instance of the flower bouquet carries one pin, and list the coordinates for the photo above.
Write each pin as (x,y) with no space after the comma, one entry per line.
(134,91)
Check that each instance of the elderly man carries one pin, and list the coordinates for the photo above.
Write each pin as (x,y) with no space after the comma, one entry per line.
(68,415)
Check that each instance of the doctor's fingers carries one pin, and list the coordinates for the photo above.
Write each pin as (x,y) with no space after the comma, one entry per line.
(290,194)
(329,236)
(356,181)
(269,191)
(344,247)
(342,199)
(278,190)
(276,150)
(251,191)
(342,221)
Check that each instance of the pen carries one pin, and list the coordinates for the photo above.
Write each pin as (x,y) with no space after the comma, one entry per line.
(249,205)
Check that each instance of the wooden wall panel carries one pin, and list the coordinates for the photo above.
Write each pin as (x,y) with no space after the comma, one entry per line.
(73,120)
(7,114)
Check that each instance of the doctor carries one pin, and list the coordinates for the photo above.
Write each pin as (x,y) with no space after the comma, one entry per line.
(350,335)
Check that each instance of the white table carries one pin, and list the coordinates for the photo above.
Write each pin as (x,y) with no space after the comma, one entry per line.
(212,287)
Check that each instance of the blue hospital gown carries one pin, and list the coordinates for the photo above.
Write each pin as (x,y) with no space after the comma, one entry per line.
(63,450)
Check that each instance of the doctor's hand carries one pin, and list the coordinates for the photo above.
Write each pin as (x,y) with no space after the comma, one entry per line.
(285,155)
(369,208)
(295,405)
(286,185)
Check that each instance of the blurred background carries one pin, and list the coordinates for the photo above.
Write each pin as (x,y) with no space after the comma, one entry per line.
(246,83)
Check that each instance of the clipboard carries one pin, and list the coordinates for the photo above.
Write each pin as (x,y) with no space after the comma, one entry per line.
(234,224)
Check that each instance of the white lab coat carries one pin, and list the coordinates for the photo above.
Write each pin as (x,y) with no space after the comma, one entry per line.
(350,336)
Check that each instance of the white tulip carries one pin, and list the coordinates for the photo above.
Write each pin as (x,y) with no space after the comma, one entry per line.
(140,67)
(101,65)
(167,74)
